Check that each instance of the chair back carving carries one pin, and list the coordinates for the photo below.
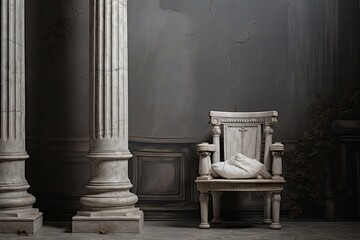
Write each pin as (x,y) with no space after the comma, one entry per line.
(243,133)
(242,138)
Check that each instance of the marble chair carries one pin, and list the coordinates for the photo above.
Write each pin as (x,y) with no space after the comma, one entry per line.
(241,132)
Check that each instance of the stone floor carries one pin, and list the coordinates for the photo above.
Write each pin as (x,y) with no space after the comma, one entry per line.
(189,231)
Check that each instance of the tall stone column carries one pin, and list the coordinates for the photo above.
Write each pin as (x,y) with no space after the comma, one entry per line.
(16,211)
(109,206)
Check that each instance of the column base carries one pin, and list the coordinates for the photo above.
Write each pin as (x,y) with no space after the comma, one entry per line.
(267,221)
(117,221)
(12,222)
(275,226)
(204,225)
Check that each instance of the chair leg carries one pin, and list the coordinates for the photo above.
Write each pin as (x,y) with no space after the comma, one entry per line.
(204,207)
(276,198)
(267,208)
(216,196)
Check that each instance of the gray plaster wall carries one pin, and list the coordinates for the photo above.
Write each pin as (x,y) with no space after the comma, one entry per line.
(186,58)
(190,57)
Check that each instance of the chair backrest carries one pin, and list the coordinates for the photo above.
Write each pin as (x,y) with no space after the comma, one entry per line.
(243,132)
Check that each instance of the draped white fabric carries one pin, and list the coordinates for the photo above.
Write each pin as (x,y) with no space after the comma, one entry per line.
(239,166)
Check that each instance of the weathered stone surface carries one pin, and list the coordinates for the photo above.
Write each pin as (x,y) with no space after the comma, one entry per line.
(16,210)
(109,185)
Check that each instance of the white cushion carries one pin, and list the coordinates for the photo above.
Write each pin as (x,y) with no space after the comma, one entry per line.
(240,166)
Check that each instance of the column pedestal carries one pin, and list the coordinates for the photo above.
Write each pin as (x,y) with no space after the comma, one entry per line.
(129,220)
(29,220)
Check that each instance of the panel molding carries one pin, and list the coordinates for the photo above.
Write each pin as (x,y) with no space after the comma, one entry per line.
(155,140)
(180,159)
(162,158)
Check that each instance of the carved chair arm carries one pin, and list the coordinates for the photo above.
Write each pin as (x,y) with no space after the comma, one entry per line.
(277,150)
(204,150)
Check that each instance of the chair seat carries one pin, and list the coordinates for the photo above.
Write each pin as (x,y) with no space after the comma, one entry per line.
(246,185)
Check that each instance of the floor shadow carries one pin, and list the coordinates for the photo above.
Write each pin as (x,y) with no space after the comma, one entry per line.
(223,225)
(60,226)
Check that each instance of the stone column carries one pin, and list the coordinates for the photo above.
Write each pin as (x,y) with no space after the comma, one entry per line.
(109,205)
(16,212)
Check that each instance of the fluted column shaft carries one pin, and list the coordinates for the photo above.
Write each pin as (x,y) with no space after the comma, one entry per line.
(15,202)
(109,203)
(108,77)
(12,103)
(12,130)
(109,183)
